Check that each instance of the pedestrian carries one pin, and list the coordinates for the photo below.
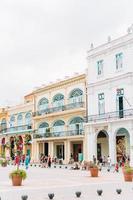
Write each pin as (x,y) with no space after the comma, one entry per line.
(116,168)
(94,159)
(109,163)
(27,160)
(17,160)
(104,160)
(49,161)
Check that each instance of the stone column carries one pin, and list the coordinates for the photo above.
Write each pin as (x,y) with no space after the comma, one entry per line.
(91,143)
(51,148)
(112,145)
(65,151)
(35,151)
(84,149)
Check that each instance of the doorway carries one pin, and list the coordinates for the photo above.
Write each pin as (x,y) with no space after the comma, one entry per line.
(60,151)
(120,101)
(46,149)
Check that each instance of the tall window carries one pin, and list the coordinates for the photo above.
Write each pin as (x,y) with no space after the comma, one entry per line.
(28,119)
(3,124)
(120,102)
(12,122)
(43,104)
(43,128)
(100,67)
(58,100)
(76,96)
(59,127)
(76,125)
(20,121)
(101,103)
(119,61)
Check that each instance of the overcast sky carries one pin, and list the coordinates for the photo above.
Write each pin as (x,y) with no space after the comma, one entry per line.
(43,40)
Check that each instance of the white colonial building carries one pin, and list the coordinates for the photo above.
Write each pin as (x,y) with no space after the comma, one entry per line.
(109,129)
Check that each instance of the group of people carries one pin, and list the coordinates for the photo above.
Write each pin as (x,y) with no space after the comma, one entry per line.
(46,161)
(106,161)
(25,159)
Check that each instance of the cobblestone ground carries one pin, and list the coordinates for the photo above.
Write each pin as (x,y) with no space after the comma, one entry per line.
(64,183)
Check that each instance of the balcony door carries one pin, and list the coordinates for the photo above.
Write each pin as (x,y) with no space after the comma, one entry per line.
(121,113)
(120,103)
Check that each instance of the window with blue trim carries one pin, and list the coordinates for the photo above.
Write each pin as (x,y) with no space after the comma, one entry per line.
(76,96)
(58,100)
(43,128)
(43,104)
(119,61)
(100,67)
(20,121)
(28,119)
(101,103)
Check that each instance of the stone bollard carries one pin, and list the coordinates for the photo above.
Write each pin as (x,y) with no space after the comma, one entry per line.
(24,197)
(78,194)
(99,192)
(118,191)
(51,195)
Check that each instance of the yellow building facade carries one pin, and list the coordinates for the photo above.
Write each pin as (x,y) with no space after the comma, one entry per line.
(58,118)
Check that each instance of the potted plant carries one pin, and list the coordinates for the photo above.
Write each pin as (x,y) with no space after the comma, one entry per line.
(128,173)
(3,162)
(93,170)
(17,176)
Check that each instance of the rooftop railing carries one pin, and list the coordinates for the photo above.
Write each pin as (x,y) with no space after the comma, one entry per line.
(60,108)
(110,116)
(59,134)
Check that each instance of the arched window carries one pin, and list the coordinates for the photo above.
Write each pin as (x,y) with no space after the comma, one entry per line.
(12,122)
(76,125)
(59,127)
(76,95)
(28,119)
(58,100)
(19,121)
(3,124)
(43,104)
(43,127)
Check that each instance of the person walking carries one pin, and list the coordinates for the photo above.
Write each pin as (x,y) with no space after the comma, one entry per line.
(27,160)
(94,159)
(109,164)
(116,168)
(49,161)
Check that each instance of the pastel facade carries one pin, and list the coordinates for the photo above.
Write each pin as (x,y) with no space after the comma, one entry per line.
(109,130)
(58,117)
(18,125)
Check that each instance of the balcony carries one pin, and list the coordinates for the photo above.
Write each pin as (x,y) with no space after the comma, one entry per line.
(59,109)
(17,129)
(59,134)
(110,116)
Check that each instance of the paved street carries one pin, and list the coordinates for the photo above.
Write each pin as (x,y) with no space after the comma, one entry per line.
(64,183)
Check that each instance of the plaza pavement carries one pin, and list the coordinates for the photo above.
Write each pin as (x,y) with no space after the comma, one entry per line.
(64,183)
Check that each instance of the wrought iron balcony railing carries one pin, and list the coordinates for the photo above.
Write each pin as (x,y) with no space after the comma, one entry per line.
(60,108)
(59,134)
(17,129)
(110,116)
